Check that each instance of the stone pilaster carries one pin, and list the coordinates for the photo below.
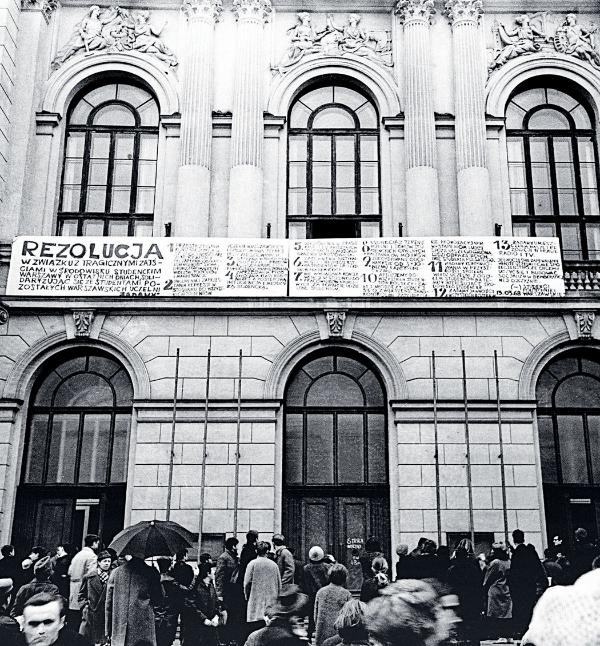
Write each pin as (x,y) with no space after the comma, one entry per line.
(474,208)
(193,182)
(246,179)
(422,198)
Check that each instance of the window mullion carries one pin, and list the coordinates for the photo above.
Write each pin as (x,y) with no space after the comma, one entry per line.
(579,196)
(134,173)
(309,174)
(357,175)
(529,182)
(85,171)
(110,171)
(333,200)
(79,446)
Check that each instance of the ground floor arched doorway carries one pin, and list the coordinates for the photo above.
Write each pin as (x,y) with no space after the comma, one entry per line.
(76,452)
(336,487)
(568,416)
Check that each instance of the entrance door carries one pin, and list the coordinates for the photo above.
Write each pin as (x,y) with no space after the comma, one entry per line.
(336,492)
(75,463)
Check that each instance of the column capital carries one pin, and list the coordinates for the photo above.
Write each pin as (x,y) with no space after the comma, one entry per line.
(258,10)
(464,10)
(415,10)
(205,9)
(47,7)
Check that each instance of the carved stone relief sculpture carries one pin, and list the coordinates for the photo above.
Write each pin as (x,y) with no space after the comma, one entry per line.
(532,33)
(334,40)
(47,7)
(113,29)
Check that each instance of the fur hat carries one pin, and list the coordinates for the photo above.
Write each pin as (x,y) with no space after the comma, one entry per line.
(316,553)
(104,555)
(43,569)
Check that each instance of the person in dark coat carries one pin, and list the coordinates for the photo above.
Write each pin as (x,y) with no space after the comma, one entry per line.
(9,565)
(60,564)
(298,570)
(284,560)
(44,623)
(376,582)
(181,571)
(200,611)
(133,590)
(526,580)
(402,564)
(248,552)
(554,572)
(40,583)
(583,554)
(26,575)
(315,577)
(230,592)
(372,551)
(285,616)
(166,614)
(426,564)
(329,602)
(92,600)
(465,578)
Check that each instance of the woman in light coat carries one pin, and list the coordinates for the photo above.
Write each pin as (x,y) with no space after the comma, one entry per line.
(262,583)
(328,603)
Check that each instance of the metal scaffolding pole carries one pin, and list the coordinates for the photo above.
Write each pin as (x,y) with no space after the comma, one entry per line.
(204,454)
(438,504)
(174,418)
(501,443)
(467,442)
(237,449)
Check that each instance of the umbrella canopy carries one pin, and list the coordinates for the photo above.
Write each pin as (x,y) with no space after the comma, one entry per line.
(152,538)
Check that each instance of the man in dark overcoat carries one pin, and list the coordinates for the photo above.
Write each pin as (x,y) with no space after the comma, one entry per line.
(92,600)
(133,589)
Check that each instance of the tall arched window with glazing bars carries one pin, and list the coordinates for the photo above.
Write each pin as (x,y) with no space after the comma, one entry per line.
(109,172)
(553,170)
(333,165)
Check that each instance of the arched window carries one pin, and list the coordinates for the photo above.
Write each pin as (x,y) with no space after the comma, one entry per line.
(568,398)
(109,172)
(553,170)
(333,165)
(79,424)
(335,424)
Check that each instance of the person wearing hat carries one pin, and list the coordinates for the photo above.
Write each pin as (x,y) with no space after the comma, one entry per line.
(229,590)
(262,583)
(92,600)
(42,571)
(285,615)
(315,577)
(284,559)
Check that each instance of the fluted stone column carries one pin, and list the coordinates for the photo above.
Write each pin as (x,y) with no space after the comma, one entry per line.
(422,197)
(247,128)
(474,208)
(193,181)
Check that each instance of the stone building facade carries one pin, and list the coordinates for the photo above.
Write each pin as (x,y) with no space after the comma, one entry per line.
(220,119)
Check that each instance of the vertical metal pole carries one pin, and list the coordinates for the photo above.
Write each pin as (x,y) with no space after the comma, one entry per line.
(467,442)
(237,449)
(502,472)
(438,504)
(204,453)
(172,453)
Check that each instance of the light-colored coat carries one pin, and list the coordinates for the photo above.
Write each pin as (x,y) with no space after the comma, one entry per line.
(132,591)
(328,603)
(262,583)
(83,563)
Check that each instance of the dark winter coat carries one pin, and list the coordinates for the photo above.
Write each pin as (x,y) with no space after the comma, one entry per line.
(60,577)
(10,568)
(199,604)
(366,560)
(92,600)
(286,565)
(466,579)
(133,589)
(27,591)
(247,554)
(427,566)
(227,566)
(166,614)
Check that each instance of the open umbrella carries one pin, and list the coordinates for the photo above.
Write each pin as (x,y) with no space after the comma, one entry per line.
(152,538)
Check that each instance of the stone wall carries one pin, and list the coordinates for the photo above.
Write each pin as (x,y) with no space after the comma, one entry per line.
(9,20)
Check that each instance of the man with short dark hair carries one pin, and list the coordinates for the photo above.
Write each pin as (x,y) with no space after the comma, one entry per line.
(526,578)
(284,560)
(82,564)
(44,623)
(229,591)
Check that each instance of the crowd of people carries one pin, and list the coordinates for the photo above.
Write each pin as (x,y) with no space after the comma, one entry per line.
(264,596)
